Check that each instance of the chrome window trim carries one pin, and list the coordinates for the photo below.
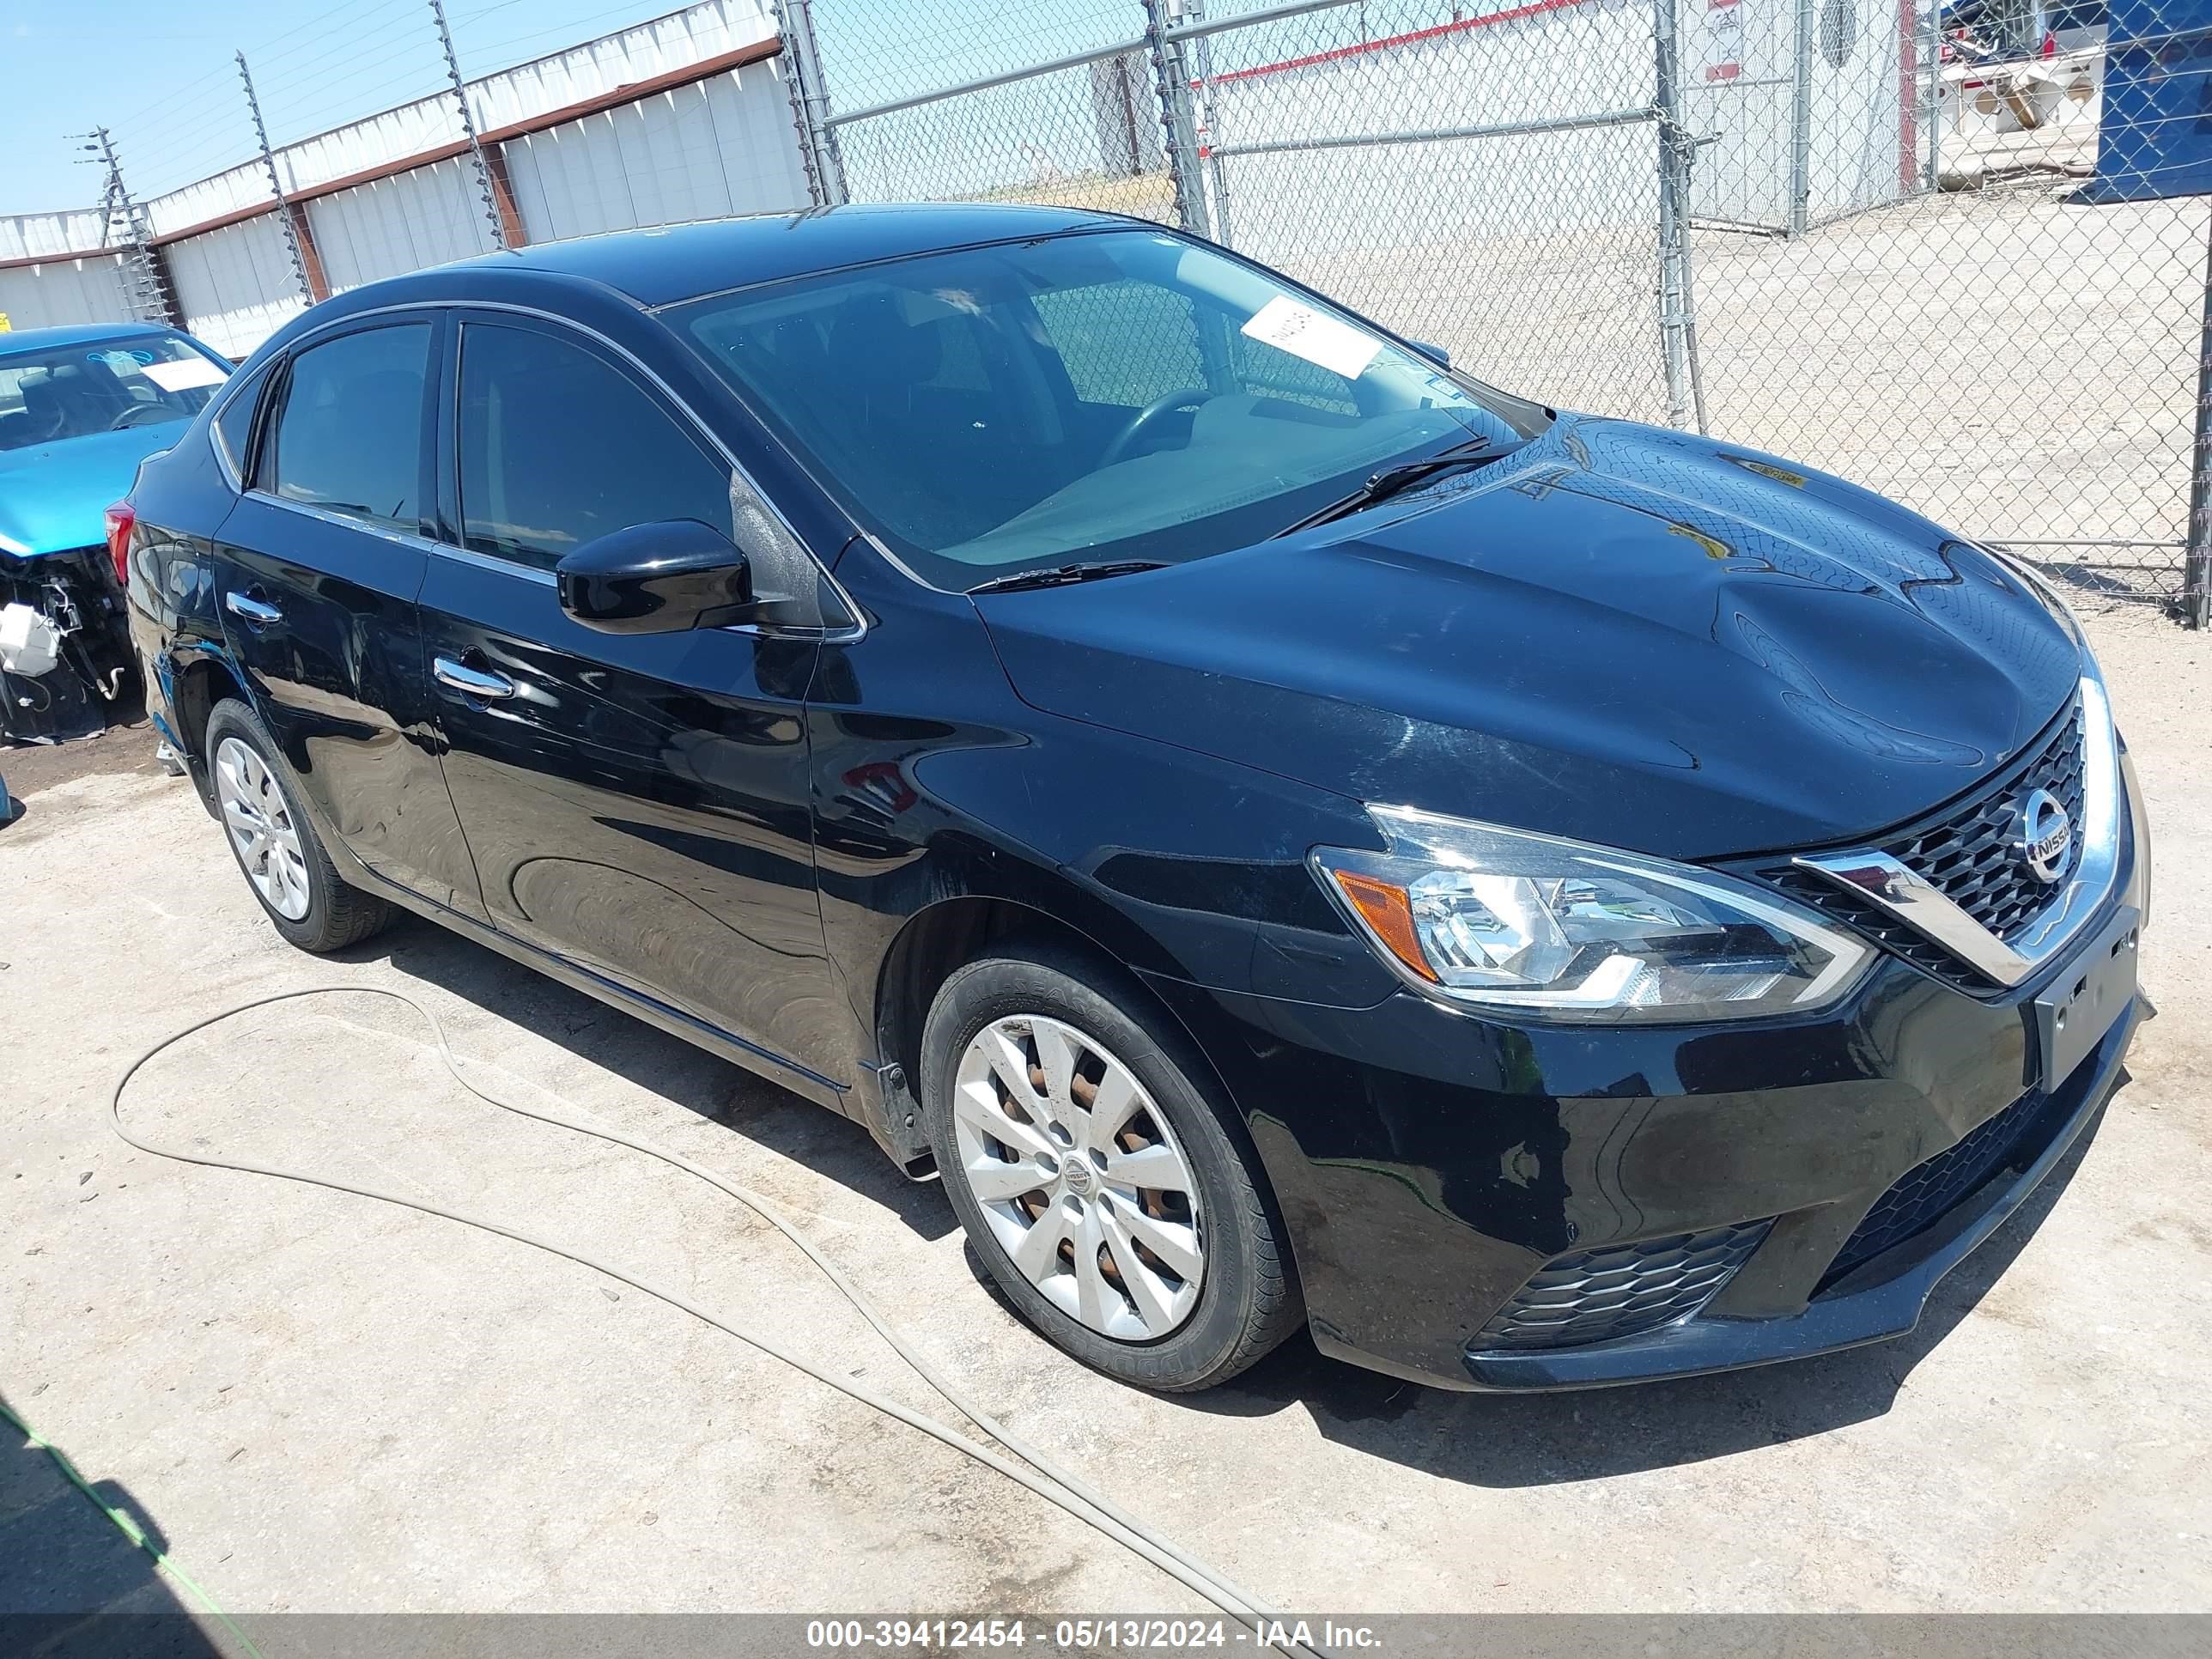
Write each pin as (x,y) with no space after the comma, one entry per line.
(1887,883)
(404,538)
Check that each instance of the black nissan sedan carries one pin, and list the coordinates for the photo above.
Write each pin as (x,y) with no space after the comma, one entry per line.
(1286,833)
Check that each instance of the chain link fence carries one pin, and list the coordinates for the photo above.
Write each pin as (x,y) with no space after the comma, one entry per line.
(1958,254)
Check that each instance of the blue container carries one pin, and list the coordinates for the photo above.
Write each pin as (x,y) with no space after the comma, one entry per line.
(2155,139)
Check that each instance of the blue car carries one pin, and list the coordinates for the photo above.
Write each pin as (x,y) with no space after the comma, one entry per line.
(80,408)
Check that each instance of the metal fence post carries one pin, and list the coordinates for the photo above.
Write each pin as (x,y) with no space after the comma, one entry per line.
(810,105)
(469,126)
(275,185)
(1801,121)
(2196,559)
(1178,117)
(143,283)
(1201,61)
(1678,328)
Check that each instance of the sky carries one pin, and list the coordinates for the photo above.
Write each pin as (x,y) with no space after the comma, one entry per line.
(160,74)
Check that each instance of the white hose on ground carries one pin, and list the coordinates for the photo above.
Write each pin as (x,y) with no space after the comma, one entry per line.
(1043,1477)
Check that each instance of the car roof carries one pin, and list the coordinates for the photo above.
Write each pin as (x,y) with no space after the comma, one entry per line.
(660,266)
(70,334)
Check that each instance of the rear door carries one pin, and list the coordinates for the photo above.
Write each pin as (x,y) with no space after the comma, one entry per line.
(317,573)
(637,805)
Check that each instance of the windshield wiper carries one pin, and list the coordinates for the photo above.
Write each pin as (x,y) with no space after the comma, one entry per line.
(1391,481)
(1060,575)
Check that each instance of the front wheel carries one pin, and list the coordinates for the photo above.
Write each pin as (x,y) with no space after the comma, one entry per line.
(1107,1194)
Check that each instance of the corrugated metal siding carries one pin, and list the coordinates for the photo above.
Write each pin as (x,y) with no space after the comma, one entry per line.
(234,287)
(30,235)
(704,151)
(549,84)
(714,148)
(66,291)
(425,217)
(619,60)
(244,186)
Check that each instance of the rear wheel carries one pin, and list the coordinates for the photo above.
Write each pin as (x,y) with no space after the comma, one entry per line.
(273,841)
(1105,1191)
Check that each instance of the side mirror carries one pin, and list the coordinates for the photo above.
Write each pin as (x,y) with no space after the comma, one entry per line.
(656,579)
(1436,352)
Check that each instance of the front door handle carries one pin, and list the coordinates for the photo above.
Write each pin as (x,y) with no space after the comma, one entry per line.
(470,682)
(259,612)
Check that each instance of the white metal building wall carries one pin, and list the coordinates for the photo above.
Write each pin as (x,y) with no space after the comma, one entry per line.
(403,223)
(234,287)
(704,151)
(64,291)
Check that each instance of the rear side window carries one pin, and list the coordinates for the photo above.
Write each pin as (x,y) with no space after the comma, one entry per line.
(349,437)
(234,427)
(558,448)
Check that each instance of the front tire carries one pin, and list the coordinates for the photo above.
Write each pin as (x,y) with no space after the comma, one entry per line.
(1109,1196)
(274,841)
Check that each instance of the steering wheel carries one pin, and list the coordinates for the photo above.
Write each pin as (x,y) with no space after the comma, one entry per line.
(137,415)
(1189,397)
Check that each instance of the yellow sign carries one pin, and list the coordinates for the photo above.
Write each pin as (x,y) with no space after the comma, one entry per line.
(5,324)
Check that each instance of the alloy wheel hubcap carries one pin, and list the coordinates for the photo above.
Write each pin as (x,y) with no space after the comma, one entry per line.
(1084,1184)
(261,828)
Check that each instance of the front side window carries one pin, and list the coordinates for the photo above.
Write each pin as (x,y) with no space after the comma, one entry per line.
(102,386)
(1120,394)
(558,448)
(348,437)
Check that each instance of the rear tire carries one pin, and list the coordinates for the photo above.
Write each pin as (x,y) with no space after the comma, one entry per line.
(1175,1286)
(274,841)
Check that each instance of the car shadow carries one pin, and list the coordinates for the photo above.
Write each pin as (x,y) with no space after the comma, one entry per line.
(1487,1440)
(1548,1439)
(71,1582)
(676,1071)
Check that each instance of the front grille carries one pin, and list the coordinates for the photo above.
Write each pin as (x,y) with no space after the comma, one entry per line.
(1970,852)
(1623,1289)
(1927,1191)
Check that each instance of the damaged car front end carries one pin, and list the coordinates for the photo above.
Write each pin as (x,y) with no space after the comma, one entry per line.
(80,408)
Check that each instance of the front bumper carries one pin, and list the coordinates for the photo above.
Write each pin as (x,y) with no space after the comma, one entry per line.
(1878,1300)
(1430,1164)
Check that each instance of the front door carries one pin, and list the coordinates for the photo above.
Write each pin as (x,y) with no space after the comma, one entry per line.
(637,805)
(317,572)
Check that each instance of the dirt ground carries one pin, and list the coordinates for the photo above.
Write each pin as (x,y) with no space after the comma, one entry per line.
(325,1404)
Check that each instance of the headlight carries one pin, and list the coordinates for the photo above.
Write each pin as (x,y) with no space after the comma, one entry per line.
(1530,925)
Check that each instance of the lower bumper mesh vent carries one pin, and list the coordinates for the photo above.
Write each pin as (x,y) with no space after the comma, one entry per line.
(1623,1289)
(1926,1192)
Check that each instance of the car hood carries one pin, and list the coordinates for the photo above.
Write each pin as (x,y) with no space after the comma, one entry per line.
(52,495)
(1618,634)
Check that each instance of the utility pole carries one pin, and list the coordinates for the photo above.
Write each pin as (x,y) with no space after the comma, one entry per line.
(142,284)
(277,184)
(469,126)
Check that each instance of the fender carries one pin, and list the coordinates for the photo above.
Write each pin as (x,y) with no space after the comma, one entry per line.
(977,810)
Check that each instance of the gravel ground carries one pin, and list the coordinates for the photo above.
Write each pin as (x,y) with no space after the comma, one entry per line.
(325,1404)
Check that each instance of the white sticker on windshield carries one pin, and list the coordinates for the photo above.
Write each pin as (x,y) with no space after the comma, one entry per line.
(184,375)
(1305,332)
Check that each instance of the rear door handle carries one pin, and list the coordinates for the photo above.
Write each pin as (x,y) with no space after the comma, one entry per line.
(259,612)
(470,682)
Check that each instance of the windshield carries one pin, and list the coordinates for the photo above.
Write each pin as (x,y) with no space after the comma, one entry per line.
(1119,395)
(102,386)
